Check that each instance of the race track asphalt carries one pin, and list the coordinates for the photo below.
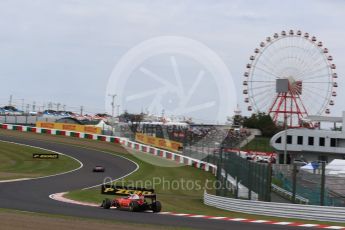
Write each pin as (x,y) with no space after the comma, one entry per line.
(33,195)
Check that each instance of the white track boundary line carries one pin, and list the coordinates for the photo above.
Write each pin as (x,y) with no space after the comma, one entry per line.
(136,169)
(81,165)
(36,178)
(59,197)
(216,218)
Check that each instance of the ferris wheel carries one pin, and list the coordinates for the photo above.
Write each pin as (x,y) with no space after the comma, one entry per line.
(304,65)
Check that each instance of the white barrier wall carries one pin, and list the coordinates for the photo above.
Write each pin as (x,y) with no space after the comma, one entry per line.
(295,211)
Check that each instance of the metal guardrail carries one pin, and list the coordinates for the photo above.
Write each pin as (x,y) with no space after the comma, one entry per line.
(288,195)
(25,119)
(296,211)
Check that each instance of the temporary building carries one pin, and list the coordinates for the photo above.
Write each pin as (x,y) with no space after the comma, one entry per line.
(336,167)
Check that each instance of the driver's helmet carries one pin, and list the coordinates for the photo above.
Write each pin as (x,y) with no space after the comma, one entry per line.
(130,194)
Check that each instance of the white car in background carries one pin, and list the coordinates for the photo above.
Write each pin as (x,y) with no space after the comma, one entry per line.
(299,162)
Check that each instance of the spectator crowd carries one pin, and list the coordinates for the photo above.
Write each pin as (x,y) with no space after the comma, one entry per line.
(205,135)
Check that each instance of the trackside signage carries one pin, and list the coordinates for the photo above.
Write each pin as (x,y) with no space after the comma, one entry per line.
(124,191)
(159,142)
(45,155)
(69,127)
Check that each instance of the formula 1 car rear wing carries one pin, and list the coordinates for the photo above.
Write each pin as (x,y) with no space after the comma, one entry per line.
(126,190)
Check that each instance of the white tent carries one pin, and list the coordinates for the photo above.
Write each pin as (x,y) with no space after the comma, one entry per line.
(336,167)
(103,125)
(308,167)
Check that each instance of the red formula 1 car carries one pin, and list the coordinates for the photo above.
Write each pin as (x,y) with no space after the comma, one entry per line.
(134,203)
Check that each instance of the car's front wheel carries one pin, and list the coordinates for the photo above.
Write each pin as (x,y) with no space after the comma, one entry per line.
(106,204)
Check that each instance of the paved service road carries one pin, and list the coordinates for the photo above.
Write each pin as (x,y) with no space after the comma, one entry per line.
(33,195)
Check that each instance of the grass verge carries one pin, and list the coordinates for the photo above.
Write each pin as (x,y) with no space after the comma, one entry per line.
(16,162)
(178,188)
(259,144)
(37,221)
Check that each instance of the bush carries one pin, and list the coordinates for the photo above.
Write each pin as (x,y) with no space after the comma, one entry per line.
(263,122)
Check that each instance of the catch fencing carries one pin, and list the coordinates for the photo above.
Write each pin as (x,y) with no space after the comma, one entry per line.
(317,186)
(254,177)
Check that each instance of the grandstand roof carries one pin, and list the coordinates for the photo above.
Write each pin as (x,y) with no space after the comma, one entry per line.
(324,119)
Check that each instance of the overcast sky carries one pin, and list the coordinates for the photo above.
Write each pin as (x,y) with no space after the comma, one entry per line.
(65,51)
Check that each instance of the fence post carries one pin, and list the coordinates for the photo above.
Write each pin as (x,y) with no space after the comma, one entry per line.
(219,177)
(294,183)
(225,186)
(236,188)
(268,182)
(323,182)
(249,180)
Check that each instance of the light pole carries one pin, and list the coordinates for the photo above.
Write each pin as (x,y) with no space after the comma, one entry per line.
(118,110)
(113,96)
(10,101)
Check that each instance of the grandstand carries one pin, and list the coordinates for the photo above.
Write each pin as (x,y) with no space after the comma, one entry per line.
(196,134)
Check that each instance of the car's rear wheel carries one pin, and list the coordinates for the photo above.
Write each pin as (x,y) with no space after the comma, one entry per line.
(133,206)
(156,206)
(106,204)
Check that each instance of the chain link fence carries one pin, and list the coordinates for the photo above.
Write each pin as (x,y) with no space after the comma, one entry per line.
(315,184)
(256,177)
(19,120)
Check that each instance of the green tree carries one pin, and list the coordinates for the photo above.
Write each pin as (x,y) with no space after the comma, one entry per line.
(263,122)
(237,120)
